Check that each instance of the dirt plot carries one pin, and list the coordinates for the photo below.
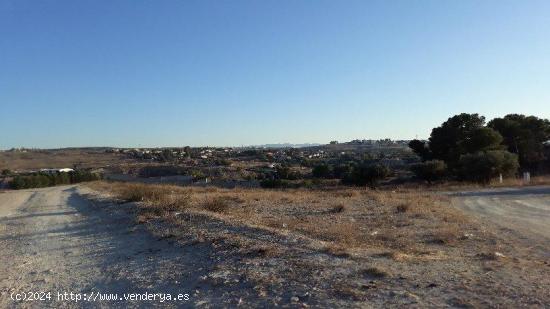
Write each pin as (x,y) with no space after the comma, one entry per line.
(346,246)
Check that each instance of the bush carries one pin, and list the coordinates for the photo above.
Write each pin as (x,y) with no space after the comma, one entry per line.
(429,170)
(481,167)
(216,205)
(198,175)
(156,198)
(342,170)
(160,171)
(321,171)
(369,175)
(6,172)
(275,183)
(223,162)
(47,180)
(285,172)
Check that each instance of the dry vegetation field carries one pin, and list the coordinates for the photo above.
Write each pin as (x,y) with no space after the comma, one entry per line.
(461,185)
(349,245)
(58,159)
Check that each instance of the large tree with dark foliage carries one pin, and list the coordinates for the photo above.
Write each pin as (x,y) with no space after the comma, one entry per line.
(469,149)
(421,149)
(524,136)
(448,141)
(482,139)
(459,135)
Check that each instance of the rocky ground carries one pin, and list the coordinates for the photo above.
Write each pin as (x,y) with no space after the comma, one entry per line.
(75,239)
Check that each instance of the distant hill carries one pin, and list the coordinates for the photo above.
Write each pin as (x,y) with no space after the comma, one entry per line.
(283,145)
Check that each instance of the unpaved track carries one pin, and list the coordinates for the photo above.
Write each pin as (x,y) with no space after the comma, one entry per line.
(54,240)
(523,211)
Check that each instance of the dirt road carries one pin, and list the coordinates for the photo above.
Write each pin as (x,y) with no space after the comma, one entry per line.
(522,211)
(54,240)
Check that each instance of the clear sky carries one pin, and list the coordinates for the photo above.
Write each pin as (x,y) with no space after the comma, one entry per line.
(175,73)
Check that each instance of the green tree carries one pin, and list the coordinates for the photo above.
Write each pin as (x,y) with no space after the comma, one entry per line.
(421,149)
(341,170)
(166,155)
(369,175)
(430,170)
(485,165)
(285,172)
(18,182)
(524,136)
(447,141)
(482,139)
(322,171)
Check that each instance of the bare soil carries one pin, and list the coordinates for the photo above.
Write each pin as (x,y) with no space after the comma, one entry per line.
(258,248)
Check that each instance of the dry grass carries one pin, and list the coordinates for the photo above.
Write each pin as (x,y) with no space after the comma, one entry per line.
(375,272)
(59,158)
(456,185)
(360,244)
(402,220)
(217,204)
(154,199)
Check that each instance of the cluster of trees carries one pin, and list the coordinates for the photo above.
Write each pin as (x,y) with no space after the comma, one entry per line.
(41,180)
(365,173)
(467,148)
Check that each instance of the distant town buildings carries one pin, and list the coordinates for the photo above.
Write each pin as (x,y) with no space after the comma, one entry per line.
(56,170)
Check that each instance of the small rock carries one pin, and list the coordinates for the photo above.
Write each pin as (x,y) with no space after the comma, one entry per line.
(498,254)
(294,299)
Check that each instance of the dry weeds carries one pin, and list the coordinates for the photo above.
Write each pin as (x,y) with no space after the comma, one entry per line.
(402,220)
(352,244)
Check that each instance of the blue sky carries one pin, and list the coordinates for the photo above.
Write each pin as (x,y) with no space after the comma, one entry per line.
(174,73)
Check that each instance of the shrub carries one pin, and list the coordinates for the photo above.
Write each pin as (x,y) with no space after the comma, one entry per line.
(47,180)
(369,175)
(429,170)
(275,183)
(403,207)
(17,183)
(483,166)
(159,171)
(284,172)
(342,170)
(161,197)
(321,171)
(197,175)
(216,205)
(375,272)
(338,208)
(223,162)
(6,172)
